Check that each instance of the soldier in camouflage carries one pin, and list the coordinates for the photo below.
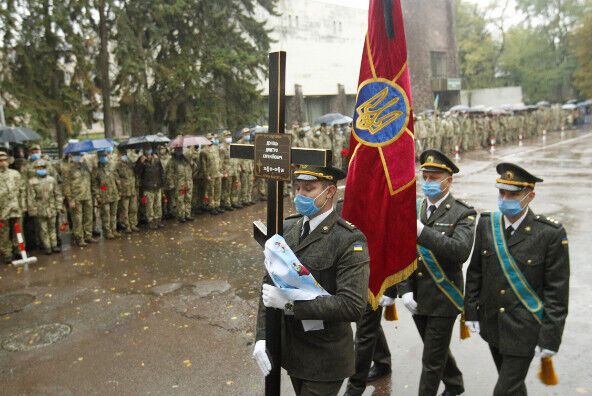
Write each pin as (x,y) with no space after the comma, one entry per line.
(12,204)
(128,195)
(211,164)
(227,171)
(77,190)
(105,189)
(246,171)
(44,203)
(179,174)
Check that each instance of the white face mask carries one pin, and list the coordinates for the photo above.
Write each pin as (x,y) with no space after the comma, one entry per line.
(228,140)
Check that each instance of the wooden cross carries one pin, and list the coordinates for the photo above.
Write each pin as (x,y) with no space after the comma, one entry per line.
(275,201)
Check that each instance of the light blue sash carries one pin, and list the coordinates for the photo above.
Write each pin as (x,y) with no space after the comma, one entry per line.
(438,275)
(515,278)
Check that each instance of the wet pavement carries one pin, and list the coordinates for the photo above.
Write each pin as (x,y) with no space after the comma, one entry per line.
(173,311)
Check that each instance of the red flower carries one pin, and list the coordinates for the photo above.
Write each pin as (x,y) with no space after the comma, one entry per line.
(1,225)
(103,188)
(345,153)
(144,200)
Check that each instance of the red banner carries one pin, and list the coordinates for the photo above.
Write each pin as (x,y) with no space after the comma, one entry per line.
(380,186)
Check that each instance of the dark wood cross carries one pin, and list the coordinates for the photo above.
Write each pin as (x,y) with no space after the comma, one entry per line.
(275,201)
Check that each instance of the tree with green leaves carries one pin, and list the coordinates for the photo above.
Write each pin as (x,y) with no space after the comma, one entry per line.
(582,49)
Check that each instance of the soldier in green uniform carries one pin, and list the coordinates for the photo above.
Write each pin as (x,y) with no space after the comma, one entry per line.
(77,190)
(444,236)
(179,174)
(227,171)
(12,205)
(246,171)
(150,174)
(105,189)
(128,195)
(44,202)
(211,164)
(517,287)
(336,254)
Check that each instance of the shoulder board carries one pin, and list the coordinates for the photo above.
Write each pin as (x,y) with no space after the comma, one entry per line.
(548,220)
(294,216)
(346,224)
(464,203)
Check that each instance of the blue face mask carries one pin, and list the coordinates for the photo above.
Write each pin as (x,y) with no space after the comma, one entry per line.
(35,156)
(148,152)
(432,189)
(247,138)
(306,205)
(41,172)
(215,141)
(510,207)
(109,150)
(103,160)
(76,158)
(123,158)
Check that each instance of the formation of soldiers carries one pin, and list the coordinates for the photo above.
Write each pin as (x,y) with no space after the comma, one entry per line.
(113,190)
(477,129)
(326,137)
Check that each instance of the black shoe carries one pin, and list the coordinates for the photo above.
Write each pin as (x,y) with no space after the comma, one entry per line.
(220,210)
(229,208)
(160,225)
(181,219)
(56,249)
(378,371)
(47,251)
(237,206)
(215,212)
(189,218)
(450,393)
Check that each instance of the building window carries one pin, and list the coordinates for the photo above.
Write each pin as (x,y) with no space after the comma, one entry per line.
(438,64)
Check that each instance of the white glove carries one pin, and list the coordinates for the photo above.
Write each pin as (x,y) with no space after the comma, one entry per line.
(273,297)
(409,302)
(261,358)
(544,353)
(386,301)
(473,326)
(419,227)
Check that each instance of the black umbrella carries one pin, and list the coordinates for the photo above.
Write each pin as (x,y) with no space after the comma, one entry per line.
(17,134)
(136,141)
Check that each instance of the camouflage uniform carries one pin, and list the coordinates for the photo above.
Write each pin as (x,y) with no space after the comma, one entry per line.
(105,189)
(179,173)
(128,195)
(169,195)
(77,189)
(44,202)
(12,203)
(246,170)
(150,174)
(227,183)
(199,181)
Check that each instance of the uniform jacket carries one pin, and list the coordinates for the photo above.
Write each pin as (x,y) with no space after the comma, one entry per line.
(12,194)
(328,252)
(179,174)
(540,249)
(105,184)
(77,183)
(44,198)
(210,161)
(449,235)
(150,173)
(127,178)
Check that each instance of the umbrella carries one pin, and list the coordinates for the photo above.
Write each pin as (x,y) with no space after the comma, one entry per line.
(147,139)
(17,134)
(460,108)
(259,129)
(568,106)
(543,103)
(86,146)
(343,120)
(571,101)
(189,140)
(329,118)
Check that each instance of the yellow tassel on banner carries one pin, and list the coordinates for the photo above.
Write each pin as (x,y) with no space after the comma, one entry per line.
(464,330)
(390,313)
(547,374)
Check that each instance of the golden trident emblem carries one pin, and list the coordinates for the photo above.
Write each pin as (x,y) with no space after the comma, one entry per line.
(370,116)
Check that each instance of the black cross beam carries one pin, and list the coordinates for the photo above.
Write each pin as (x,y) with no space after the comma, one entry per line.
(275,202)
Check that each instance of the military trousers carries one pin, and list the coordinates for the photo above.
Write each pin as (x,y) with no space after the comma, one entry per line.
(213,192)
(235,189)
(438,364)
(47,231)
(128,211)
(82,219)
(315,388)
(259,189)
(199,193)
(7,237)
(246,179)
(153,205)
(511,371)
(109,218)
(371,346)
(225,194)
(183,198)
